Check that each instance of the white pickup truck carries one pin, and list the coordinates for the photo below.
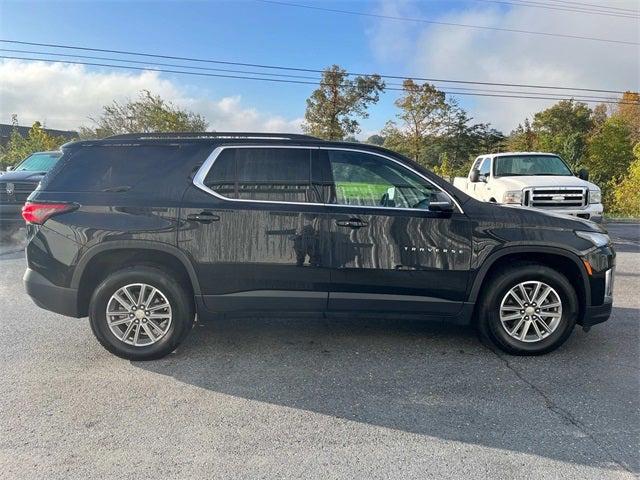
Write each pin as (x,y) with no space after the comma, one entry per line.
(532,179)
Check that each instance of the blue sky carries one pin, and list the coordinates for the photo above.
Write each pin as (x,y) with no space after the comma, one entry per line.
(256,32)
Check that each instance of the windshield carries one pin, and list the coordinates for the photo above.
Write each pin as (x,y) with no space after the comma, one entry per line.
(517,165)
(38,162)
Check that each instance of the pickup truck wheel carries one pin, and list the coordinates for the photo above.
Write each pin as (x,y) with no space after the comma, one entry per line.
(140,313)
(529,309)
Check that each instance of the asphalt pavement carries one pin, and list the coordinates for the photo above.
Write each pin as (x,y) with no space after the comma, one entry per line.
(312,398)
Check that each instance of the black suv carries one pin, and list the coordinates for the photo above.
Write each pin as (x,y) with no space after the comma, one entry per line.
(143,232)
(17,184)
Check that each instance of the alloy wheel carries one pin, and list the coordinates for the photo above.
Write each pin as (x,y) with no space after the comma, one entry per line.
(531,311)
(138,314)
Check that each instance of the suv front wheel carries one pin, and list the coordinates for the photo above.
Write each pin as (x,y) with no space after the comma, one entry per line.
(140,313)
(529,309)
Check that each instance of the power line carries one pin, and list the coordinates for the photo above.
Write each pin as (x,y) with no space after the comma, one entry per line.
(309,70)
(299,82)
(316,79)
(547,6)
(583,4)
(448,24)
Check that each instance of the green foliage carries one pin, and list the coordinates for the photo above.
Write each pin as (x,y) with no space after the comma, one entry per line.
(375,140)
(627,193)
(523,138)
(333,107)
(563,129)
(19,147)
(149,113)
(447,169)
(436,132)
(423,114)
(610,154)
(629,111)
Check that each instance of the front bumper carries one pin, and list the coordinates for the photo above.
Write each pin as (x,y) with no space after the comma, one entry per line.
(10,215)
(592,212)
(49,296)
(597,314)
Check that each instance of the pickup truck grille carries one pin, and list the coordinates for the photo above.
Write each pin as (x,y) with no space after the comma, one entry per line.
(556,197)
(20,191)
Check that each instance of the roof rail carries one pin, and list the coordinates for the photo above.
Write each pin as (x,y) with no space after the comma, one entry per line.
(196,135)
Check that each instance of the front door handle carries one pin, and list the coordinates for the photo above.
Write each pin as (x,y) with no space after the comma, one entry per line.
(352,223)
(203,217)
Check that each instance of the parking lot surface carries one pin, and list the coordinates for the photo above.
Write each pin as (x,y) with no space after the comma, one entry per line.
(312,398)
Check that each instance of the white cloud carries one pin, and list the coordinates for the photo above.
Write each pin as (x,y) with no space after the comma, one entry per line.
(66,96)
(483,55)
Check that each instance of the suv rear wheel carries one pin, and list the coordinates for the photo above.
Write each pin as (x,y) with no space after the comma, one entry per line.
(140,313)
(529,309)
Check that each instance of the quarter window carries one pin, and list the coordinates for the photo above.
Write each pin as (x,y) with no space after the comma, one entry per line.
(271,174)
(361,179)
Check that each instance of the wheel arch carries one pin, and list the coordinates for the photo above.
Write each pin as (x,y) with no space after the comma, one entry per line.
(564,261)
(103,259)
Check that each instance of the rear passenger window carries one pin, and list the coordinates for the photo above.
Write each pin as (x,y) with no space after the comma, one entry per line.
(271,174)
(112,167)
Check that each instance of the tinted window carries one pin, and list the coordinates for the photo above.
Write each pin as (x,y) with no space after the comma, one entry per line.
(222,175)
(369,180)
(113,167)
(273,174)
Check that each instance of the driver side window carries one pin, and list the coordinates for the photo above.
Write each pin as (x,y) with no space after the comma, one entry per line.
(361,179)
(485,167)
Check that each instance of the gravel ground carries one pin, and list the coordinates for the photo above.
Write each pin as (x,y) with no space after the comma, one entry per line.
(265,398)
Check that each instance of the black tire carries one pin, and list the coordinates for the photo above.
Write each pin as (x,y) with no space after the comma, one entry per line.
(182,309)
(497,287)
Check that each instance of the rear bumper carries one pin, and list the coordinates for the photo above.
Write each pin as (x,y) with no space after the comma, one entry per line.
(49,296)
(11,211)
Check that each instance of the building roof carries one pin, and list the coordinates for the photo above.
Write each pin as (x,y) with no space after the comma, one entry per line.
(5,131)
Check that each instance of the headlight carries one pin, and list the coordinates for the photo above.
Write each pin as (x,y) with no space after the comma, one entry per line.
(514,196)
(598,239)
(595,196)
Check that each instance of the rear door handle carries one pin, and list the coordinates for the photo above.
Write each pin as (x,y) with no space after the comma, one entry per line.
(203,217)
(352,223)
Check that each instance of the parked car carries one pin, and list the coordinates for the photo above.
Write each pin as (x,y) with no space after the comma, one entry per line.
(17,184)
(532,179)
(142,232)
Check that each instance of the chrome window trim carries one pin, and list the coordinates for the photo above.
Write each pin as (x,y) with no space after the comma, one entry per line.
(203,171)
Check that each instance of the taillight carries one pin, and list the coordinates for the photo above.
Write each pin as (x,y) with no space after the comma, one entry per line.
(34,212)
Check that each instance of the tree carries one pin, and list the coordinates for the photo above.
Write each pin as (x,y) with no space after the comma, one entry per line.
(375,140)
(423,113)
(563,129)
(523,138)
(149,113)
(333,107)
(627,192)
(610,154)
(19,147)
(629,111)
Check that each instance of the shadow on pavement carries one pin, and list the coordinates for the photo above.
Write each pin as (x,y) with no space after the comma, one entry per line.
(412,376)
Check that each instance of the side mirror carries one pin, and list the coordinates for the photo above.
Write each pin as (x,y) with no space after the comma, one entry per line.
(442,205)
(583,174)
(474,176)
(9,168)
